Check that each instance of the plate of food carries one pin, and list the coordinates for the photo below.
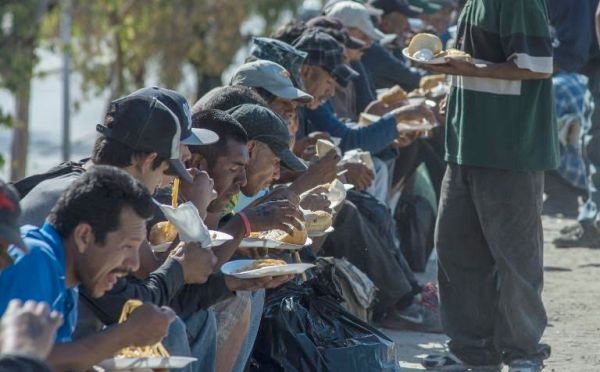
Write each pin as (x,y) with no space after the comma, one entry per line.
(415,126)
(318,223)
(161,237)
(138,357)
(122,363)
(279,239)
(250,269)
(428,49)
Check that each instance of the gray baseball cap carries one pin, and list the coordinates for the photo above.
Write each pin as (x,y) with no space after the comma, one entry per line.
(270,76)
(265,126)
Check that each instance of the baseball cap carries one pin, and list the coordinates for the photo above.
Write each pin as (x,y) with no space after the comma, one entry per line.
(400,6)
(373,12)
(353,14)
(428,7)
(270,76)
(281,53)
(179,106)
(10,212)
(265,126)
(336,29)
(324,51)
(143,123)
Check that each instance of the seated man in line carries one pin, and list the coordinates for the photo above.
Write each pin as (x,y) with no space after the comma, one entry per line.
(401,297)
(225,161)
(21,349)
(91,238)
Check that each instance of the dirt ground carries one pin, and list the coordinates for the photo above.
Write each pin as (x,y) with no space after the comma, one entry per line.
(571,296)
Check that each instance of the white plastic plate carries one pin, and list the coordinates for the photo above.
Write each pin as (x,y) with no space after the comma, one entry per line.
(318,234)
(275,244)
(231,267)
(115,364)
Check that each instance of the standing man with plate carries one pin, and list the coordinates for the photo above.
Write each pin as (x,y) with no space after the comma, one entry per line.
(500,138)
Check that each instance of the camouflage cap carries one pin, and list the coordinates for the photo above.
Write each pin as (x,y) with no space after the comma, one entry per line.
(281,53)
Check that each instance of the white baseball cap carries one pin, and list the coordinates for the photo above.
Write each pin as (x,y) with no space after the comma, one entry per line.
(353,14)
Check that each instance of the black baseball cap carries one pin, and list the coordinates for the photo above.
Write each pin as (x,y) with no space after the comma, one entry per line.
(324,51)
(265,126)
(179,106)
(10,212)
(400,6)
(143,123)
(335,28)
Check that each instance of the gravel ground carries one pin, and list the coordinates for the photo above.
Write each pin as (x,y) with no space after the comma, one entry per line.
(571,295)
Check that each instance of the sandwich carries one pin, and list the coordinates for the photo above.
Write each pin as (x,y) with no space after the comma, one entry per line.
(424,46)
(162,232)
(317,221)
(259,264)
(324,147)
(393,95)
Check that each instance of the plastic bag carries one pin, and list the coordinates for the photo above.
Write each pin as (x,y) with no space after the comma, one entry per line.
(304,331)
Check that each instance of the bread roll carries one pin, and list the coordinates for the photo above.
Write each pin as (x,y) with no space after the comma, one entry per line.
(323,147)
(298,237)
(393,95)
(431,81)
(425,41)
(162,232)
(317,221)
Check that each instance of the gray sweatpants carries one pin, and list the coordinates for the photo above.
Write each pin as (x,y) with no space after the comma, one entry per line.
(490,248)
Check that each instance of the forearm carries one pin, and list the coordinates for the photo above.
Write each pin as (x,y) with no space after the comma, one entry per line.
(373,138)
(84,353)
(506,71)
(235,227)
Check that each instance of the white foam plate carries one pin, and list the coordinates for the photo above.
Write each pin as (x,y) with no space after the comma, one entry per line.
(217,238)
(275,244)
(435,61)
(415,128)
(115,364)
(318,234)
(420,100)
(231,267)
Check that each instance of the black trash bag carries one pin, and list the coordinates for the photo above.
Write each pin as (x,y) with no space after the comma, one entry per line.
(303,331)
(415,221)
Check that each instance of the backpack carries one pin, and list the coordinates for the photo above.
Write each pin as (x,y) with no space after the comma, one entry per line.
(25,185)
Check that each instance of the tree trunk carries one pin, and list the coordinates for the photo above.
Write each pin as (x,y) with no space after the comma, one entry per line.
(20,140)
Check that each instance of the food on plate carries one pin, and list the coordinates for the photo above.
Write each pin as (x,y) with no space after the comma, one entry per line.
(429,82)
(259,264)
(162,232)
(422,43)
(323,147)
(454,53)
(365,119)
(317,221)
(151,351)
(393,95)
(298,237)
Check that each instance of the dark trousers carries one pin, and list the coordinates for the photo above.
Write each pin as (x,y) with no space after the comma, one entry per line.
(490,248)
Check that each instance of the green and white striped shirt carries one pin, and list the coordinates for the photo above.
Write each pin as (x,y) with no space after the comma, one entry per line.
(505,124)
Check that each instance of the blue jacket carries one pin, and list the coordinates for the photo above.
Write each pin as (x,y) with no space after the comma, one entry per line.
(373,138)
(386,70)
(575,33)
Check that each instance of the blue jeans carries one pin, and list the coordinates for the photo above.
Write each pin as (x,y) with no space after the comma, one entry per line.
(588,213)
(257,303)
(195,336)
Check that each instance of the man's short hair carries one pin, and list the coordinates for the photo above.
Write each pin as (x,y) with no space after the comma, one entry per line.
(96,198)
(228,129)
(224,98)
(107,151)
(290,31)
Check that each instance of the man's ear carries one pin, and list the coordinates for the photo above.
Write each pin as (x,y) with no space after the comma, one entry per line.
(145,162)
(251,147)
(83,237)
(197,161)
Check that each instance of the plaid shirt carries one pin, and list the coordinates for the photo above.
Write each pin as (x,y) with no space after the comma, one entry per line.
(574,106)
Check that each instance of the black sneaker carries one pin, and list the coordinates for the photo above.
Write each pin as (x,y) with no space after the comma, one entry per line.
(581,237)
(570,228)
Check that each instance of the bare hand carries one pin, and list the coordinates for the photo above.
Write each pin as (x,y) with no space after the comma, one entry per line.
(197,263)
(413,113)
(281,215)
(322,171)
(359,175)
(302,144)
(148,324)
(453,66)
(29,328)
(235,284)
(315,202)
(282,193)
(200,192)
